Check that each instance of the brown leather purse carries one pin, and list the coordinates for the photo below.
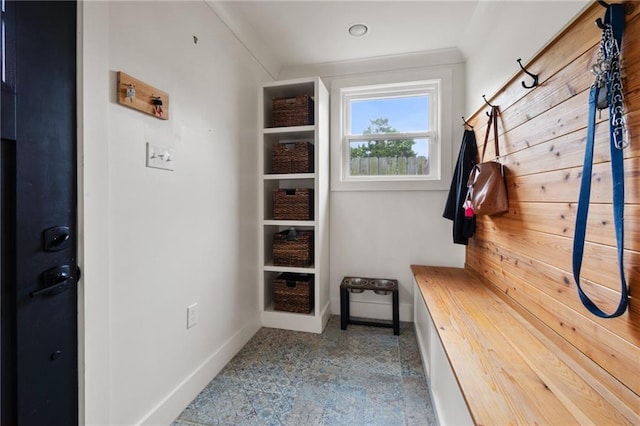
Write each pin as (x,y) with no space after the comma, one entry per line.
(486,187)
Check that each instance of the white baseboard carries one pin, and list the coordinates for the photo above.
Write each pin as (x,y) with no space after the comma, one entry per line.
(326,313)
(166,411)
(297,322)
(374,310)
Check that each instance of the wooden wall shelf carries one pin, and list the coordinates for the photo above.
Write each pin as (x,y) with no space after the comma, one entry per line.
(144,96)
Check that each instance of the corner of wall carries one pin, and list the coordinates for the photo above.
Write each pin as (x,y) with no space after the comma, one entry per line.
(245,34)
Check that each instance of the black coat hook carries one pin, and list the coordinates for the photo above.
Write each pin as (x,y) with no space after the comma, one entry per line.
(487,102)
(599,22)
(629,8)
(534,76)
(466,123)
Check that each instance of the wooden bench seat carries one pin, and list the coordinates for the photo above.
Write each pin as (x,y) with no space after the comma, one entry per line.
(508,371)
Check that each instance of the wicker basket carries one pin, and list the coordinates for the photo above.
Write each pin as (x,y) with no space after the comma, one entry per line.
(293,204)
(293,248)
(295,157)
(293,111)
(293,293)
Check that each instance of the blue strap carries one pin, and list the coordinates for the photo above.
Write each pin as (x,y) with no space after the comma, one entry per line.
(614,15)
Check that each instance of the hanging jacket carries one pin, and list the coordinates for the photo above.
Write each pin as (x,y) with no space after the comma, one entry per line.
(463,227)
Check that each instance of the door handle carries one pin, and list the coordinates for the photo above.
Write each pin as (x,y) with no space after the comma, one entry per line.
(56,280)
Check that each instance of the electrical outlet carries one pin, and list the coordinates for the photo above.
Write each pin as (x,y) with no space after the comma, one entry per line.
(192,315)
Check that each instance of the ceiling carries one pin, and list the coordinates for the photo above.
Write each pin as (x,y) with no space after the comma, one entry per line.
(307,32)
(291,33)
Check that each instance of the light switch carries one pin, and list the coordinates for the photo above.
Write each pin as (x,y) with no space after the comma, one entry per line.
(159,157)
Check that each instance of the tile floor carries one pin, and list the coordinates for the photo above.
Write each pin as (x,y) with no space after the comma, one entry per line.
(361,376)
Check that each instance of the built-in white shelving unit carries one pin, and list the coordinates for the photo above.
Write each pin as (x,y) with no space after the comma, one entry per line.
(318,180)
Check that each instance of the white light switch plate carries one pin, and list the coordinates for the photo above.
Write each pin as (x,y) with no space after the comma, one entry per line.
(159,157)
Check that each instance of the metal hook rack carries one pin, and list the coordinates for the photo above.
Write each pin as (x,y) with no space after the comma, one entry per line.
(466,123)
(138,95)
(530,74)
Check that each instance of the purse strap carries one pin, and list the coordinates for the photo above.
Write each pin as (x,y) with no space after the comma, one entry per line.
(614,22)
(493,119)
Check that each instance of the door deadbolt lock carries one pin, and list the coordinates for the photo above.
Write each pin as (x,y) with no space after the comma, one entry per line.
(56,238)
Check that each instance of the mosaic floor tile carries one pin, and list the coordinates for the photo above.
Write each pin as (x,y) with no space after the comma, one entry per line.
(362,376)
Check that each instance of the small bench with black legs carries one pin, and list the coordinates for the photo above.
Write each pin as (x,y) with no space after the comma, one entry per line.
(377,285)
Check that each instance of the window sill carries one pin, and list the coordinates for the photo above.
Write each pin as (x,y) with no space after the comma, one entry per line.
(386,185)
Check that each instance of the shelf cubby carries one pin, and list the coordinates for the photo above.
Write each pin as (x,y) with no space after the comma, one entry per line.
(316,179)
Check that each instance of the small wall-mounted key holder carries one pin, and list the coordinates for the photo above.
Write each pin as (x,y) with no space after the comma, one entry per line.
(143,97)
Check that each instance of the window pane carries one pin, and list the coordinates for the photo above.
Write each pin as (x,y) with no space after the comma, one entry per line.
(400,157)
(388,115)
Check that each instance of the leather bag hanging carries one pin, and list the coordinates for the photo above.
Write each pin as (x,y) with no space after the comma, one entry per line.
(486,187)
(607,81)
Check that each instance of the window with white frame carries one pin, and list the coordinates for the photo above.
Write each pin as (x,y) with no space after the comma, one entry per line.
(389,132)
(387,135)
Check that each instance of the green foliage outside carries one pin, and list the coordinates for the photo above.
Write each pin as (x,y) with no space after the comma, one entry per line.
(383,148)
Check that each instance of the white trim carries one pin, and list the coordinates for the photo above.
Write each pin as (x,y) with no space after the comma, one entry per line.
(385,136)
(94,295)
(444,143)
(388,63)
(167,410)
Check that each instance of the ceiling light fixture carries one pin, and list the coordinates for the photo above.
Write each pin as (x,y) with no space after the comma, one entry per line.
(358,30)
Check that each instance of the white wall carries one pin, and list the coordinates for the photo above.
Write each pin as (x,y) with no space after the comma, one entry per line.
(163,240)
(381,233)
(503,31)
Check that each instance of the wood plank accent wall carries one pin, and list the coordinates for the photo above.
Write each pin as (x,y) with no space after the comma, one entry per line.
(526,253)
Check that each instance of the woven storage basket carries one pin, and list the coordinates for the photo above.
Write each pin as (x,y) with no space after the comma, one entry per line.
(295,157)
(292,111)
(293,204)
(293,293)
(291,249)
